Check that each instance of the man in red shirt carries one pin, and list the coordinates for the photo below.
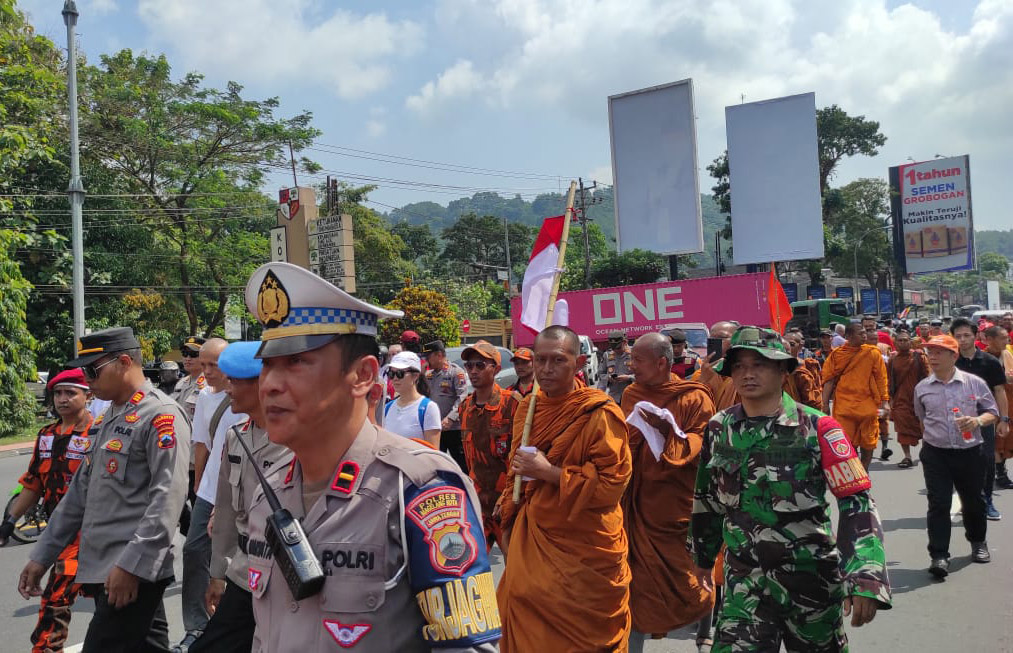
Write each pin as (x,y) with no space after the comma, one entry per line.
(487,418)
(59,449)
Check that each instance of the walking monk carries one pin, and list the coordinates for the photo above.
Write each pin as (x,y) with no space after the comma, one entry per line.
(664,594)
(904,371)
(566,583)
(854,376)
(721,387)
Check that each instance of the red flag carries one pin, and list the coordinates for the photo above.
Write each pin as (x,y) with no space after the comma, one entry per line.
(780,308)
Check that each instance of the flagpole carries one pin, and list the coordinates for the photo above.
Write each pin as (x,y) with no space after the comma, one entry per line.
(530,417)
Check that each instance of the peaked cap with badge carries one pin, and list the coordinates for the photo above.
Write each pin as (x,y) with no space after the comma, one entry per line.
(301,311)
(102,343)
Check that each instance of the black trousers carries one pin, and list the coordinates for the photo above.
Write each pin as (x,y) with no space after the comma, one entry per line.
(135,628)
(450,442)
(230,629)
(946,470)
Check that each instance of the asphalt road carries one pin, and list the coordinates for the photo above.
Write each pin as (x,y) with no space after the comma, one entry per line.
(971,611)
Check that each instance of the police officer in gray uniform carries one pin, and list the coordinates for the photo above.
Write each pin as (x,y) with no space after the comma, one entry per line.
(448,386)
(124,500)
(614,370)
(229,601)
(395,525)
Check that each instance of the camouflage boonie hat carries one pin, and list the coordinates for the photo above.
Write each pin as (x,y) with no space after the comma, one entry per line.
(764,342)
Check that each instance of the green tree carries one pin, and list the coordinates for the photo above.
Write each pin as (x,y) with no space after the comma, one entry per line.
(993,265)
(859,210)
(631,267)
(418,239)
(427,312)
(194,157)
(481,300)
(17,360)
(477,244)
(573,273)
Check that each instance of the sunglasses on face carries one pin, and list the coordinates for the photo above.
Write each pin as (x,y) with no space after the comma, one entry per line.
(476,365)
(400,374)
(188,353)
(91,371)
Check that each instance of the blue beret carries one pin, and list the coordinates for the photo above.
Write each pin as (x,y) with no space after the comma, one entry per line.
(238,360)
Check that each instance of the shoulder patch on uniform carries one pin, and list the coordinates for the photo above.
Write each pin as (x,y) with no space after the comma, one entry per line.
(442,515)
(137,397)
(254,578)
(838,442)
(79,443)
(346,635)
(98,420)
(131,418)
(201,382)
(166,441)
(841,466)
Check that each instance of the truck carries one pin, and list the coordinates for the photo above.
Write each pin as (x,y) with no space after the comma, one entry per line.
(654,307)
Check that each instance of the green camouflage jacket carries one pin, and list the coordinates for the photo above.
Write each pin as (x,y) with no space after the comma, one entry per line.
(761,490)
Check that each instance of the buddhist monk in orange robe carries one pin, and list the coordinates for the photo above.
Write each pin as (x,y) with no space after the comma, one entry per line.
(904,371)
(804,387)
(854,376)
(566,582)
(664,594)
(721,387)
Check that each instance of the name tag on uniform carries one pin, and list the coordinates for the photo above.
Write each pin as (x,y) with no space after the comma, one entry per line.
(46,446)
(77,447)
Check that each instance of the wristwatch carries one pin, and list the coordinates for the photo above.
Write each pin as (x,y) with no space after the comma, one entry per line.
(1004,418)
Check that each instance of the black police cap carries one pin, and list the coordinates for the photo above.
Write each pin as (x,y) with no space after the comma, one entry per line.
(433,347)
(102,343)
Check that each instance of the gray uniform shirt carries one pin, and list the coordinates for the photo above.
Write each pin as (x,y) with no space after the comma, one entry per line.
(613,363)
(186,392)
(125,499)
(448,388)
(237,484)
(389,585)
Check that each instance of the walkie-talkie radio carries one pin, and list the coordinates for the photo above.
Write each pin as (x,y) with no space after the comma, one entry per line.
(288,542)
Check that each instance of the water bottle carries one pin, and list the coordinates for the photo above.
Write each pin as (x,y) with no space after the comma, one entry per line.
(967,435)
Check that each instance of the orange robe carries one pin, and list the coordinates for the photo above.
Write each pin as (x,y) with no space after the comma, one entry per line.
(722,388)
(861,380)
(566,582)
(664,593)
(905,371)
(804,387)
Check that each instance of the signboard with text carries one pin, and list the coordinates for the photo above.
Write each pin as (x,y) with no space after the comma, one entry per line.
(646,308)
(331,250)
(931,207)
(885,300)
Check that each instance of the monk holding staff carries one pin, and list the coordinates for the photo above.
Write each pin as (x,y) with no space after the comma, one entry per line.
(566,583)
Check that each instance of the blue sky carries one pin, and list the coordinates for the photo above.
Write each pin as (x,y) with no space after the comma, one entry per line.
(521,86)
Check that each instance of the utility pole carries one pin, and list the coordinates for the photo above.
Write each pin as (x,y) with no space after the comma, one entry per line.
(75,190)
(506,232)
(583,223)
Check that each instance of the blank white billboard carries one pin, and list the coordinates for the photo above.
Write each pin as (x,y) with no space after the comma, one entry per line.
(654,169)
(773,166)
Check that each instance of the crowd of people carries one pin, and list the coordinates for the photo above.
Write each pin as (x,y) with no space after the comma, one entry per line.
(683,491)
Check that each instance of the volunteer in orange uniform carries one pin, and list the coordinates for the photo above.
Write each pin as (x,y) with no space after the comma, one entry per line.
(566,585)
(59,449)
(487,417)
(664,593)
(854,376)
(525,373)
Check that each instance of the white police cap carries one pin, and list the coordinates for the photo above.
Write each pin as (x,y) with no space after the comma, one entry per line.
(300,311)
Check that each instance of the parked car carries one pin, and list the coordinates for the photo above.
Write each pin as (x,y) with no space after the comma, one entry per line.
(588,349)
(506,377)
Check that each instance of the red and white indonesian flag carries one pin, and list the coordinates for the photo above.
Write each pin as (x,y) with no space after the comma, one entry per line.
(542,268)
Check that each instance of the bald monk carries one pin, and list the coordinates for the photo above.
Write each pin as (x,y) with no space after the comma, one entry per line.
(566,582)
(854,376)
(664,594)
(802,384)
(904,371)
(721,387)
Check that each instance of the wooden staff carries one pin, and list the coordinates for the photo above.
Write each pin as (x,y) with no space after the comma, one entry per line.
(530,418)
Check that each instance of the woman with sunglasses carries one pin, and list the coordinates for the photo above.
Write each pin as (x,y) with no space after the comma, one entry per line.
(411,414)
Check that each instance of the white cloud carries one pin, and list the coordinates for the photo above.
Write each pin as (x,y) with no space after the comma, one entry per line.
(287,41)
(375,127)
(101,6)
(933,87)
(459,82)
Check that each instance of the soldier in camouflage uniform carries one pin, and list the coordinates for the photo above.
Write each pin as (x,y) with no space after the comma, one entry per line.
(765,468)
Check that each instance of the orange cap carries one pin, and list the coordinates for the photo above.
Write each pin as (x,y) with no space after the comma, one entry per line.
(483,349)
(522,353)
(945,342)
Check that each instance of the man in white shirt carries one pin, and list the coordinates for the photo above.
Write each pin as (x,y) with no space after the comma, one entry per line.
(211,419)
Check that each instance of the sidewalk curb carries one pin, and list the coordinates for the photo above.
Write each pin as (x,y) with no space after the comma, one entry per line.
(20,449)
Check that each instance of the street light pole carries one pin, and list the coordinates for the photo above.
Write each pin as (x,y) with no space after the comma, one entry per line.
(855,298)
(76,188)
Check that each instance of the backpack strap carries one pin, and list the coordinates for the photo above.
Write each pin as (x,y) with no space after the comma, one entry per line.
(423,405)
(386,407)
